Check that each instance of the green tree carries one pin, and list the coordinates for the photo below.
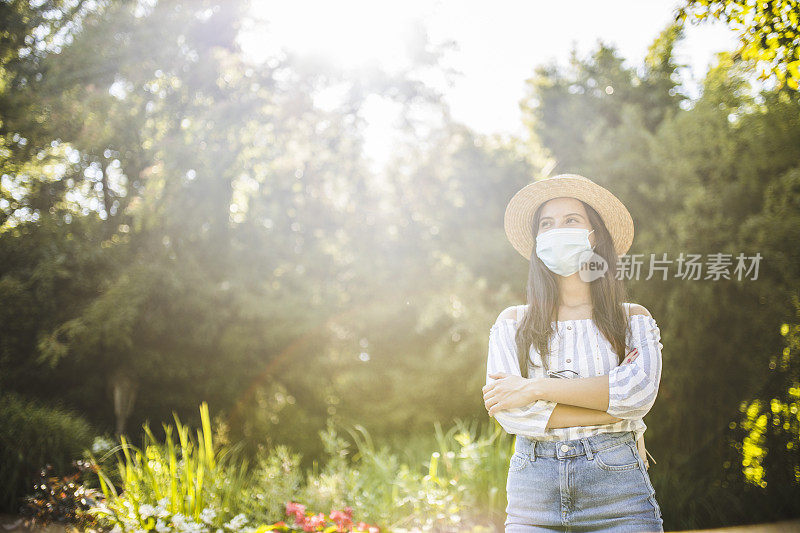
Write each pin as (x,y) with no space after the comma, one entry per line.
(768,32)
(565,110)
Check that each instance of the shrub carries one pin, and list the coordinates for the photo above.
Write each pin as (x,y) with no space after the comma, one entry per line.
(33,435)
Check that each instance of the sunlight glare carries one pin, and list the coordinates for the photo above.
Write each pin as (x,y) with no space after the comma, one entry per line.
(347,34)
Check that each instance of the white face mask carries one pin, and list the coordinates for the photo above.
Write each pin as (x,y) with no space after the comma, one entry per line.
(560,249)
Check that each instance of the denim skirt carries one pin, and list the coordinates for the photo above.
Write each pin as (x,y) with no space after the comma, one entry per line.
(595,483)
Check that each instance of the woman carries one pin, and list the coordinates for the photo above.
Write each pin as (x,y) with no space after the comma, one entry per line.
(579,461)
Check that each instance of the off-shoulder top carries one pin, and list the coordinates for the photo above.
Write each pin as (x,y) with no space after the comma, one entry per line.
(579,345)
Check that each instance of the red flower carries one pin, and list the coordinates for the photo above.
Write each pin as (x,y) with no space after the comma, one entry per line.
(342,518)
(317,520)
(295,508)
(311,523)
(299,511)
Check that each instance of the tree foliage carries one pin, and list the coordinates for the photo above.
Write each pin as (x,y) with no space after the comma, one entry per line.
(769,32)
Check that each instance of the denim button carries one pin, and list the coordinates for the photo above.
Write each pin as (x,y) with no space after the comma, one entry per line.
(564,448)
(569,327)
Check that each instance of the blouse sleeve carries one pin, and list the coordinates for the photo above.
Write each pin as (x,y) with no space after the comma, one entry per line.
(632,387)
(530,420)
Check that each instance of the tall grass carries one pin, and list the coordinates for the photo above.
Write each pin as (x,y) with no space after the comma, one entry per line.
(191,483)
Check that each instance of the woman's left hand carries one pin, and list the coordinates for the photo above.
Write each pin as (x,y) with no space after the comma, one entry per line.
(507,392)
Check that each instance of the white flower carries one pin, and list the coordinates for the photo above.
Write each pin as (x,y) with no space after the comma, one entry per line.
(161,508)
(207,515)
(182,523)
(161,526)
(236,522)
(179,521)
(146,511)
(116,529)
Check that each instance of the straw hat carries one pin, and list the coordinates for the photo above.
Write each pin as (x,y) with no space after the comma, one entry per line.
(522,207)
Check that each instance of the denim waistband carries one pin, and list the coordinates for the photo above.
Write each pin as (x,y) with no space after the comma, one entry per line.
(571,448)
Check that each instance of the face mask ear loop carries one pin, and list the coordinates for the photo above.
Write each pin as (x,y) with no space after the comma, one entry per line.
(587,238)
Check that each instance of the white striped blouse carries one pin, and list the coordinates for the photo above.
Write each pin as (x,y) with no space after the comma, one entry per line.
(580,346)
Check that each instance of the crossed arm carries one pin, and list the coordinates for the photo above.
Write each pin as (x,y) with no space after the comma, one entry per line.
(580,401)
(532,406)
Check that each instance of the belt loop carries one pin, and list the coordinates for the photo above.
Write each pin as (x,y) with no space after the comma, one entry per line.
(588,447)
(533,450)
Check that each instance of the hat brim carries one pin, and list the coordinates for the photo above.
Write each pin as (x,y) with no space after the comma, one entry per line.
(522,207)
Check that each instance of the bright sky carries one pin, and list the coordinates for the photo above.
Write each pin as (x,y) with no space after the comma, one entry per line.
(498,45)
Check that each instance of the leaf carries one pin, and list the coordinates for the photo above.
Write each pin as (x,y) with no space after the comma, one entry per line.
(794,69)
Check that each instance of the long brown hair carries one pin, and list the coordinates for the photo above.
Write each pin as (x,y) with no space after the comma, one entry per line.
(607,292)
